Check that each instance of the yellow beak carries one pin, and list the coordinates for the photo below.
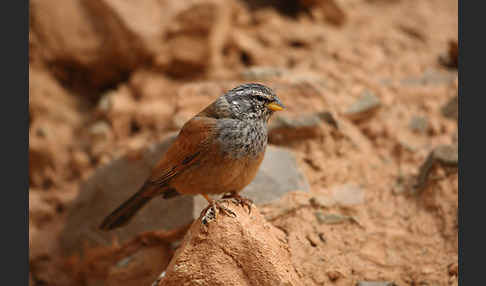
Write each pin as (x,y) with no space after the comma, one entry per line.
(275,106)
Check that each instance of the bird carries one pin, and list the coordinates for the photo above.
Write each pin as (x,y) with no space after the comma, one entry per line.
(218,151)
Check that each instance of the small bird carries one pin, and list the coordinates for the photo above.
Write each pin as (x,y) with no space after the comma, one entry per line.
(217,151)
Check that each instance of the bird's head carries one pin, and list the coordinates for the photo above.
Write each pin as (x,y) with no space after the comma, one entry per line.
(252,101)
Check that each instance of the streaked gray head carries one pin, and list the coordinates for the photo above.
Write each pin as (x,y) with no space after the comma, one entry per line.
(252,101)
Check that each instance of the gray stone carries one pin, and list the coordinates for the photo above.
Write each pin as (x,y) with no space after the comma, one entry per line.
(332,218)
(111,184)
(322,201)
(451,108)
(294,123)
(446,155)
(364,107)
(283,129)
(419,124)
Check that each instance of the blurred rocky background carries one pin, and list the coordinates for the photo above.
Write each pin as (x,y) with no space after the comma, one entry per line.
(359,186)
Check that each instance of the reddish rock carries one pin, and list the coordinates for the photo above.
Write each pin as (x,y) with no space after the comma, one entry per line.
(96,43)
(245,250)
(82,43)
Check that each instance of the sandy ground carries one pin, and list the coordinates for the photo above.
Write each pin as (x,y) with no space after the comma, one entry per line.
(108,79)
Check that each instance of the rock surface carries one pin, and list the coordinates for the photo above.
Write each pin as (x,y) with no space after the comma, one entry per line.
(105,40)
(245,250)
(445,155)
(364,107)
(139,53)
(115,182)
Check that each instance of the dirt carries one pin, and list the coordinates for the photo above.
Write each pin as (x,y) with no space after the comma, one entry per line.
(109,78)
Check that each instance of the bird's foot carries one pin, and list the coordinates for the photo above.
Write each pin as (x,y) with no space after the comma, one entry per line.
(240,200)
(212,210)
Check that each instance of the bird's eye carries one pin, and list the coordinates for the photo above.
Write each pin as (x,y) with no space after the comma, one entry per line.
(263,98)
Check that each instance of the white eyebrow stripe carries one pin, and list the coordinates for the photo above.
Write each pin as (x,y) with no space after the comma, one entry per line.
(257,92)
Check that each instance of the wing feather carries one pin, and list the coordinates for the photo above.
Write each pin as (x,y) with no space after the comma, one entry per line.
(190,144)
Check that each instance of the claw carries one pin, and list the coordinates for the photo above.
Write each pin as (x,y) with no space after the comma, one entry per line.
(212,210)
(240,200)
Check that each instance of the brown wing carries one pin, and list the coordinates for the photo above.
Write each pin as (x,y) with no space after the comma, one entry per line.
(189,145)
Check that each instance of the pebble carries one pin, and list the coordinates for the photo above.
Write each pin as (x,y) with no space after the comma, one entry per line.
(364,107)
(450,109)
(331,218)
(419,124)
(322,201)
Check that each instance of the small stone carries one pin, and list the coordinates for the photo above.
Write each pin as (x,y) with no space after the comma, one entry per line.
(450,109)
(375,283)
(447,154)
(303,121)
(348,195)
(322,201)
(331,218)
(366,105)
(419,124)
(328,117)
(278,174)
(283,129)
(42,131)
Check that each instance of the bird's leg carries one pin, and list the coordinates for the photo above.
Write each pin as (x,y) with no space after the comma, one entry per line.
(240,200)
(214,206)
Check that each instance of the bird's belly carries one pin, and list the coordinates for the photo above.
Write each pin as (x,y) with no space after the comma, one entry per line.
(213,176)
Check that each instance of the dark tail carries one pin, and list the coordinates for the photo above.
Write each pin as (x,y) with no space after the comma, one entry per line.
(125,212)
